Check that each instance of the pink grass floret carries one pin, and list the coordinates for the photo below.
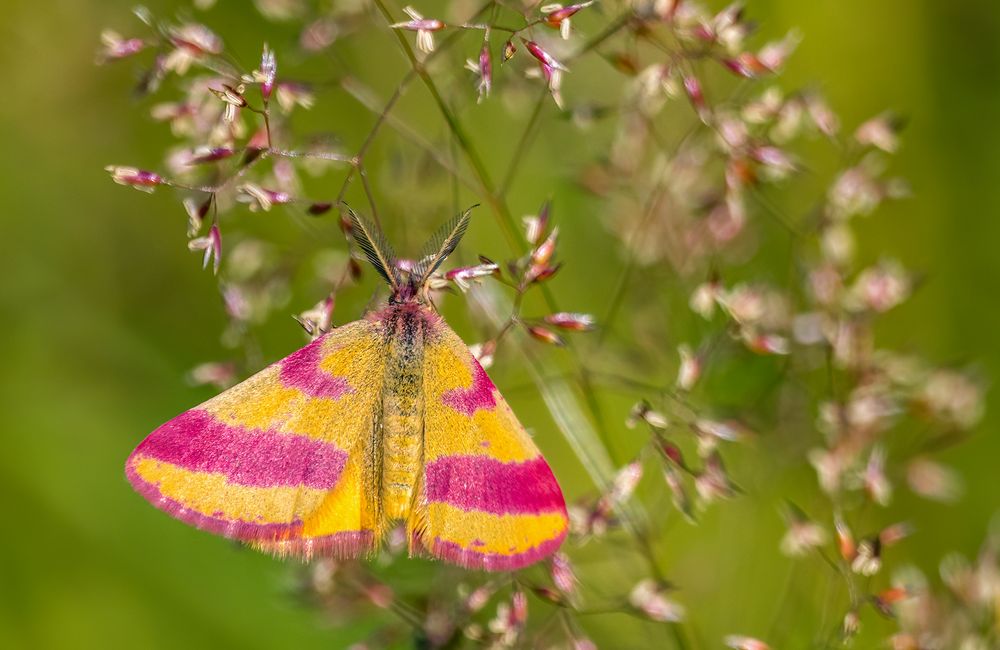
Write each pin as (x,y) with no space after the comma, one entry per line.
(197,442)
(489,485)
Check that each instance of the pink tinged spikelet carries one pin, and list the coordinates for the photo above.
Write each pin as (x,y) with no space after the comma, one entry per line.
(542,254)
(712,483)
(260,198)
(689,370)
(478,599)
(704,299)
(140,179)
(802,536)
(648,597)
(545,335)
(196,214)
(211,245)
(485,72)
(543,56)
(483,352)
(115,47)
(728,430)
(571,321)
(879,288)
(845,540)
(196,38)
(642,412)
(740,642)
(220,375)
(778,162)
(192,42)
(210,154)
(881,132)
(465,275)
(535,226)
(934,481)
(697,97)
(678,493)
(625,482)
(424,27)
(868,558)
(876,482)
(550,595)
(562,574)
(232,97)
(558,17)
(291,94)
(519,608)
(509,50)
(551,69)
(773,55)
(891,535)
(953,398)
(672,453)
(265,75)
(539,267)
(887,599)
(316,321)
(765,343)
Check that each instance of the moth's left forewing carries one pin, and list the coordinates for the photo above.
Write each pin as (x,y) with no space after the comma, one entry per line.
(277,461)
(489,500)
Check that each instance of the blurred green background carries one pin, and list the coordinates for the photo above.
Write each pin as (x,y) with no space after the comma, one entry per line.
(104,312)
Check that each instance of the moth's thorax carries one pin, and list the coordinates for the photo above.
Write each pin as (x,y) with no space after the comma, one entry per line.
(412,309)
(405,327)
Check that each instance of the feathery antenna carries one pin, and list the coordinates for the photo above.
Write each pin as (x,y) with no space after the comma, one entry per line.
(441,245)
(373,243)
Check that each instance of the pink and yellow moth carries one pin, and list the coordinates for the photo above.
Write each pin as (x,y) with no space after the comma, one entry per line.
(389,418)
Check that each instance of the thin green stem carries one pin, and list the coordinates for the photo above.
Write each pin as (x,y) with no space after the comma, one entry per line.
(522,144)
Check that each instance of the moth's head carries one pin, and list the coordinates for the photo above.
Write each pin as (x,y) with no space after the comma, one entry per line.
(408,282)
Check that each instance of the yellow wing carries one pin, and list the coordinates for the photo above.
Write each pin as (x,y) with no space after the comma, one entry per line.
(488,498)
(281,460)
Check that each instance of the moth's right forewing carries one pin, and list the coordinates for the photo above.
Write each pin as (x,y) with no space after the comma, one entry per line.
(490,500)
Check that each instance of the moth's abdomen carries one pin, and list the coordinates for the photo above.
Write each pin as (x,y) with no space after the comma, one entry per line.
(402,413)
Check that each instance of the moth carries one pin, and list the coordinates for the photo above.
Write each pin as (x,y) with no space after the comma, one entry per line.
(386,419)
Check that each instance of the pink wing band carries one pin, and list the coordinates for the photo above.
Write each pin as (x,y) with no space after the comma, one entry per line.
(477,396)
(301,370)
(489,485)
(196,441)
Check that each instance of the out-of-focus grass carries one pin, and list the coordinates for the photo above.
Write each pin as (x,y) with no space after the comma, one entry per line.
(104,312)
